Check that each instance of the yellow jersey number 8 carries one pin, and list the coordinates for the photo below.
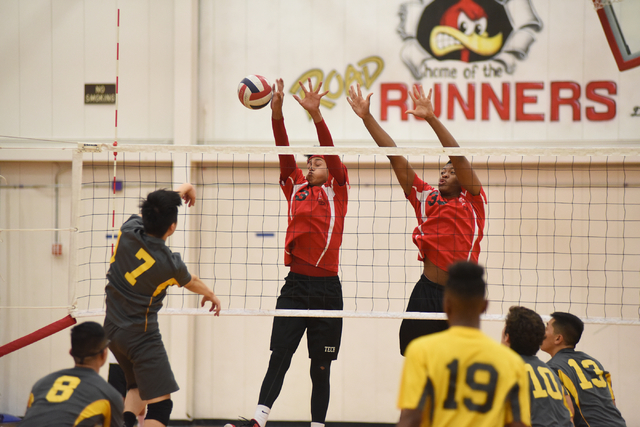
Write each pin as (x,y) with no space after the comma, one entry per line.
(62,388)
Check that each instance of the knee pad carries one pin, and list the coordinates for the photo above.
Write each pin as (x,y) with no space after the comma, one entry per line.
(320,369)
(160,411)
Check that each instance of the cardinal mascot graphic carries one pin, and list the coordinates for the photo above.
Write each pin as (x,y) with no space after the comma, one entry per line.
(466,31)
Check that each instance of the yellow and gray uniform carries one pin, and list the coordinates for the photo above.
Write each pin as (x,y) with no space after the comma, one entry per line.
(462,377)
(548,405)
(142,267)
(73,397)
(590,388)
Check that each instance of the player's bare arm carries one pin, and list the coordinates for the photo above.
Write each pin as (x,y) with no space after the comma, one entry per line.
(187,193)
(403,170)
(424,109)
(197,286)
(410,418)
(277,100)
(311,100)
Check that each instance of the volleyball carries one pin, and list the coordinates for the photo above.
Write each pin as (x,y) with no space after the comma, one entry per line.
(254,92)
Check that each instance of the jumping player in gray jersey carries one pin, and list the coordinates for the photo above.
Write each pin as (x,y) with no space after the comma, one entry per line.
(142,267)
(583,376)
(77,396)
(550,405)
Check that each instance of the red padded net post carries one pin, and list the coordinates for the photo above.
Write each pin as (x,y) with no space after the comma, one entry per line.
(37,335)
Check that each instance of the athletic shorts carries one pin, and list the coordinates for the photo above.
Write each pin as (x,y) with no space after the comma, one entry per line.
(143,359)
(302,292)
(426,297)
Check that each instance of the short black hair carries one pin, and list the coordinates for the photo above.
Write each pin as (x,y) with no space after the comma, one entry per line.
(466,280)
(526,330)
(569,326)
(88,339)
(160,210)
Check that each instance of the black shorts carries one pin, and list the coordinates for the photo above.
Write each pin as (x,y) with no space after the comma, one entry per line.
(302,292)
(426,297)
(143,359)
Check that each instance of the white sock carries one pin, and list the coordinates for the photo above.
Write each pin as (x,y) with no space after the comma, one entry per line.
(313,424)
(261,415)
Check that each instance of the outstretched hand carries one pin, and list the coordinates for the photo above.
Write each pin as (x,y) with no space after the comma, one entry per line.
(311,100)
(423,106)
(277,99)
(359,104)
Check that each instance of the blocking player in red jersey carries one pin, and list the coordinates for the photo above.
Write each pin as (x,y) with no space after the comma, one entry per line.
(450,218)
(317,205)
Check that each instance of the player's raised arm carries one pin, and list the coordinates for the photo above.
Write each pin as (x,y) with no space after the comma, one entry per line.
(311,103)
(463,169)
(403,170)
(287,161)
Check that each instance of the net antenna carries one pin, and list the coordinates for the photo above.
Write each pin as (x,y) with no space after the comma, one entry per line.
(599,4)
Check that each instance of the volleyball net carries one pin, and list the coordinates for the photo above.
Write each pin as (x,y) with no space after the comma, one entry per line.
(561,232)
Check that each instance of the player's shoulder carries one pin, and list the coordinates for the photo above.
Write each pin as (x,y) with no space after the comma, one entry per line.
(560,360)
(480,198)
(536,362)
(508,354)
(133,221)
(427,343)
(501,353)
(564,355)
(96,381)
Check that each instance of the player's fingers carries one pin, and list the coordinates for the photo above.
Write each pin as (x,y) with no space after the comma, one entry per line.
(355,92)
(413,96)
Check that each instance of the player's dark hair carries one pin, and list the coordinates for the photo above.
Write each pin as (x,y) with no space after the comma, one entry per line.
(160,210)
(87,340)
(466,280)
(526,330)
(569,326)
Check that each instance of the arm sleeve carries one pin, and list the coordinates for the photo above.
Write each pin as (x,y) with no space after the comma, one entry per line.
(287,161)
(336,168)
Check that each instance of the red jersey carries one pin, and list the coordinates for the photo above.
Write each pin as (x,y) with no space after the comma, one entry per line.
(315,213)
(448,230)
